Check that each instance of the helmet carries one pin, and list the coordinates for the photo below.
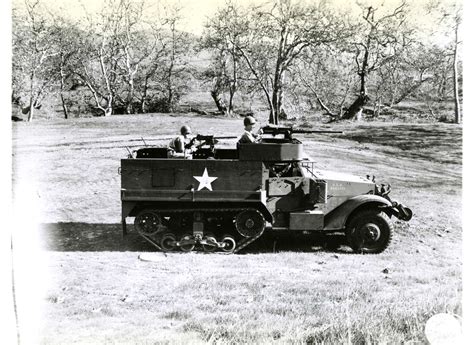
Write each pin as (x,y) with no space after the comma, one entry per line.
(185,130)
(249,120)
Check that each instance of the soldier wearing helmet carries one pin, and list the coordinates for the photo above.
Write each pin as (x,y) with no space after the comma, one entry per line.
(177,146)
(248,136)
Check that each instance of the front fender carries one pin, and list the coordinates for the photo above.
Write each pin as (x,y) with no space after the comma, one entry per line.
(336,219)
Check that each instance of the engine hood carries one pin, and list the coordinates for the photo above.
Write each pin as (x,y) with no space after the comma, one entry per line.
(337,176)
(340,187)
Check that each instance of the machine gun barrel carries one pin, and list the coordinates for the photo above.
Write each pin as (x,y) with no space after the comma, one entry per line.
(208,137)
(288,132)
(209,140)
(305,131)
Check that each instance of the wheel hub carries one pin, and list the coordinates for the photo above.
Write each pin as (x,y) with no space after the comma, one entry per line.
(149,223)
(370,233)
(249,223)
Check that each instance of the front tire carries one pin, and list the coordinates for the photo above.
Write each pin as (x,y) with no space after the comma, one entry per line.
(369,232)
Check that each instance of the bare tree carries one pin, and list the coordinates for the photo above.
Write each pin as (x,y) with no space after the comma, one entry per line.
(223,36)
(97,66)
(34,47)
(131,58)
(453,16)
(174,63)
(448,17)
(68,50)
(325,74)
(379,40)
(457,108)
(215,76)
(150,67)
(404,77)
(131,14)
(273,36)
(137,45)
(111,54)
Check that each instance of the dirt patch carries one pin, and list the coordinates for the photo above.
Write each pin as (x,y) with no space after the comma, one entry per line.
(435,142)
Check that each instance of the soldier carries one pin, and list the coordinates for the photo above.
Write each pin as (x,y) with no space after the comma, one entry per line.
(248,136)
(177,147)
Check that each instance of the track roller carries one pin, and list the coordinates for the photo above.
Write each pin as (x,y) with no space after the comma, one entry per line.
(209,243)
(228,244)
(187,243)
(168,242)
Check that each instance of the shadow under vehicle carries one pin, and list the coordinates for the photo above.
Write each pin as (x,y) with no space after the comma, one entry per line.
(223,199)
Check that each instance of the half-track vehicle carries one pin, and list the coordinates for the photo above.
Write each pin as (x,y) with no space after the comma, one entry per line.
(223,199)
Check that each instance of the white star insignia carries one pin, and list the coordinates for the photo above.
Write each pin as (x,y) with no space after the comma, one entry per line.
(205,180)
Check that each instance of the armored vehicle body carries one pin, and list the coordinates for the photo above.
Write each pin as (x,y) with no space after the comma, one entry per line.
(223,199)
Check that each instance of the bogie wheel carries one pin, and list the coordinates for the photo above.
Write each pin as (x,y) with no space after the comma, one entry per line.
(229,244)
(149,222)
(210,238)
(168,242)
(369,232)
(250,223)
(187,243)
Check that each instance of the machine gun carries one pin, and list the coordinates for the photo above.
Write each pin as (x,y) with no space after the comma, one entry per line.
(286,133)
(204,145)
(206,140)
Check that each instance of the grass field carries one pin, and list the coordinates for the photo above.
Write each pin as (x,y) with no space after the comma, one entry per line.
(79,282)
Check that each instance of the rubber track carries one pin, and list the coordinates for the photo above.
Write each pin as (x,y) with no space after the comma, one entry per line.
(239,246)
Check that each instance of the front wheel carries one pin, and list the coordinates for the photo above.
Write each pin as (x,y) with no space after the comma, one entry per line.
(369,232)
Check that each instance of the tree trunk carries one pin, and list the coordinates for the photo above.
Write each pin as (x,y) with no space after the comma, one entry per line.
(275,107)
(61,93)
(64,105)
(129,108)
(169,87)
(277,93)
(457,110)
(355,110)
(272,118)
(216,96)
(30,105)
(107,112)
(169,105)
(144,95)
(233,84)
(281,112)
(170,71)
(109,108)
(323,106)
(275,99)
(30,111)
(230,109)
(232,89)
